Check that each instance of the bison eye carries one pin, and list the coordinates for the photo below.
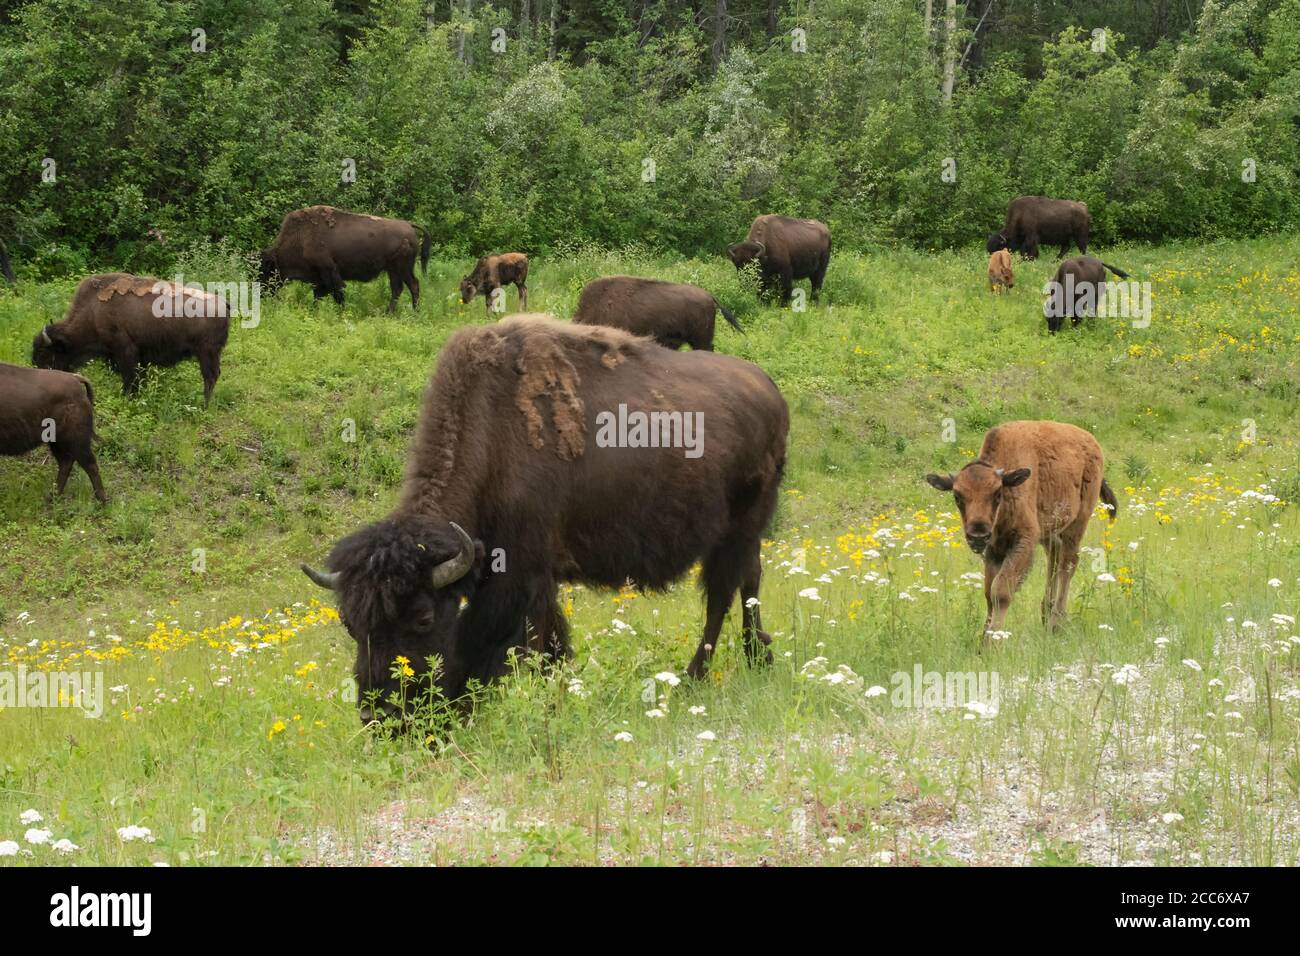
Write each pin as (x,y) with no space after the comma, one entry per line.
(426,621)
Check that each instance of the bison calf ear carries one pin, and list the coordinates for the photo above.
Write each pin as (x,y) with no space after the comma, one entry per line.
(942,482)
(1013,478)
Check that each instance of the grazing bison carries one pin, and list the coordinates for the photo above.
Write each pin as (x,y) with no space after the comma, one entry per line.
(492,273)
(545,454)
(671,313)
(134,322)
(1076,290)
(1033,483)
(325,246)
(43,407)
(786,249)
(6,269)
(1000,275)
(1035,219)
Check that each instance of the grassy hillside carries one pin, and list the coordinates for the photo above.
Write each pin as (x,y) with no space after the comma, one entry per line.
(228,738)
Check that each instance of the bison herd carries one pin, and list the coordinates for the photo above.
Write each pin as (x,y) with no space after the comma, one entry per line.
(513,486)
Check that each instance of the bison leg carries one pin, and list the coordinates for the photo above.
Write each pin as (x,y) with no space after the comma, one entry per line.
(723,571)
(1029,248)
(1053,547)
(787,287)
(819,277)
(1065,247)
(210,369)
(1006,582)
(413,287)
(394,291)
(1067,564)
(757,640)
(65,469)
(126,362)
(523,295)
(91,467)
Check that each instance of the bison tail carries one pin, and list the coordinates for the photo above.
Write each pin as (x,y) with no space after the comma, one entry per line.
(424,249)
(1108,498)
(90,394)
(729,316)
(6,269)
(1119,272)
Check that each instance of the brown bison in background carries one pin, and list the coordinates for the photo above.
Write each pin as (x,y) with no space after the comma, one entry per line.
(493,272)
(786,249)
(671,313)
(1076,290)
(1033,483)
(6,269)
(1035,219)
(520,480)
(42,407)
(119,317)
(325,247)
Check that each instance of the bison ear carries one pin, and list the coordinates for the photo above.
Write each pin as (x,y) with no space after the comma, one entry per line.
(1013,478)
(942,482)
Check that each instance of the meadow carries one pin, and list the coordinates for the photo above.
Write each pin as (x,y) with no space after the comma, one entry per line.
(1160,725)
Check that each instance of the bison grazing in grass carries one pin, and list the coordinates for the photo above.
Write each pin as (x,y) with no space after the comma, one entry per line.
(43,407)
(495,272)
(325,247)
(785,249)
(1033,483)
(671,313)
(1076,290)
(134,322)
(1035,219)
(545,454)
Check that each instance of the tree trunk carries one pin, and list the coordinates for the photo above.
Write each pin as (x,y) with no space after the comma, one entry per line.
(550,42)
(772,6)
(719,33)
(525,18)
(949,50)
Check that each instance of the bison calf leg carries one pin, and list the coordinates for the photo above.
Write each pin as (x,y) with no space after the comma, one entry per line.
(523,296)
(1005,584)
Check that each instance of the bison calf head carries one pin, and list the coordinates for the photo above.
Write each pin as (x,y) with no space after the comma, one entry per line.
(468,289)
(978,491)
(49,350)
(743,253)
(399,585)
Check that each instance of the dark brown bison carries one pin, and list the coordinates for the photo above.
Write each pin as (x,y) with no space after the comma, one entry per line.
(671,313)
(550,452)
(6,269)
(1035,219)
(1033,483)
(1076,290)
(786,249)
(134,322)
(492,273)
(325,246)
(57,409)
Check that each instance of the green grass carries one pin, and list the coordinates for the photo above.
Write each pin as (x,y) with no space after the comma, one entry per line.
(906,346)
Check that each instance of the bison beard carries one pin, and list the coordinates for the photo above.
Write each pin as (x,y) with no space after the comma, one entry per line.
(504,449)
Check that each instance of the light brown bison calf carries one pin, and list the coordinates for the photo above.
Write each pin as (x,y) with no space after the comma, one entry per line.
(57,409)
(1000,274)
(491,273)
(671,313)
(1033,483)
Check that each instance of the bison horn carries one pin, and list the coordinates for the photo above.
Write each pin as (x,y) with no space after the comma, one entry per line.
(45,336)
(329,580)
(453,569)
(762,248)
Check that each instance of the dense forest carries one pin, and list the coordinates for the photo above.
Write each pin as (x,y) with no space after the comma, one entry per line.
(129,130)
